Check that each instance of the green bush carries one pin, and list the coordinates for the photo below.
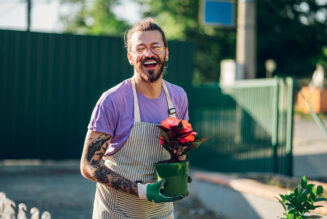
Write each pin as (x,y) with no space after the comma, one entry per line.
(302,200)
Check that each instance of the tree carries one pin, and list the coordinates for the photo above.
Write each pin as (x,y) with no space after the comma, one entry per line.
(93,18)
(293,33)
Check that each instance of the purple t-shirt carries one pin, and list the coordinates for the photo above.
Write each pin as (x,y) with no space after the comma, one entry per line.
(114,111)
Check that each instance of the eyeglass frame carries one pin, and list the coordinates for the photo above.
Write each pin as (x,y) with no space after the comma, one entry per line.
(148,48)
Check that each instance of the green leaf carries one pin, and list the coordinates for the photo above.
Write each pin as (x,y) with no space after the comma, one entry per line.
(186,151)
(312,216)
(166,146)
(164,135)
(314,191)
(200,138)
(296,191)
(320,199)
(318,206)
(320,190)
(195,145)
(307,191)
(304,181)
(310,207)
(282,197)
(290,216)
(180,126)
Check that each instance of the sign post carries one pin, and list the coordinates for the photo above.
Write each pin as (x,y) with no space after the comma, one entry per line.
(218,13)
(221,13)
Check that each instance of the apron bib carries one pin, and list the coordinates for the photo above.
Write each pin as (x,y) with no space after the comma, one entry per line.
(135,162)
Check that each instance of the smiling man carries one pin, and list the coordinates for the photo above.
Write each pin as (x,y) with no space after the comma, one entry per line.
(122,143)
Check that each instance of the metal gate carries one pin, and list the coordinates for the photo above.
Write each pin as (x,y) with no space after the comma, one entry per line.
(249,125)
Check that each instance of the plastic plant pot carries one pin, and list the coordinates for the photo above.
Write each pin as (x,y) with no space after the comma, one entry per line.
(176,175)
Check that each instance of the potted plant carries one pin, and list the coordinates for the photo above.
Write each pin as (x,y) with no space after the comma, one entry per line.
(302,200)
(178,138)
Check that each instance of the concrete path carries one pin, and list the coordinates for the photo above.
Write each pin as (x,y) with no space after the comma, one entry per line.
(59,188)
(309,149)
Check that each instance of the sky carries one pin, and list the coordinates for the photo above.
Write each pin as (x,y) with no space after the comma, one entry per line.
(45,14)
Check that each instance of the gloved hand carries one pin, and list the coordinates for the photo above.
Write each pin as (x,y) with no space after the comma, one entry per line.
(151,192)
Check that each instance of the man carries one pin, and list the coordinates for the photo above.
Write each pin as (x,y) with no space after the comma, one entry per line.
(123,132)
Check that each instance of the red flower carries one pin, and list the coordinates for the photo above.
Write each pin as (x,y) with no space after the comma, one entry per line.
(186,126)
(186,138)
(170,122)
(178,137)
(162,140)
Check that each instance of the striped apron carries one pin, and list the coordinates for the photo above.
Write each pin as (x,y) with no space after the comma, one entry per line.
(135,162)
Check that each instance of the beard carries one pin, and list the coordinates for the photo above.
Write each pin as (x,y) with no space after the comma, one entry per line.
(150,75)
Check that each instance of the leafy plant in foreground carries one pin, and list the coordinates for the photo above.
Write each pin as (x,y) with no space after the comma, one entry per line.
(302,200)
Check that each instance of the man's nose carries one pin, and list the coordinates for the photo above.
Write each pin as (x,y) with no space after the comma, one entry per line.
(148,51)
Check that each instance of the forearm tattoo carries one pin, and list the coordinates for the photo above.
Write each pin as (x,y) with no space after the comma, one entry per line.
(101,173)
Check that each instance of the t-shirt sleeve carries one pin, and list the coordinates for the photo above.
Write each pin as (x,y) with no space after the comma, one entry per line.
(104,118)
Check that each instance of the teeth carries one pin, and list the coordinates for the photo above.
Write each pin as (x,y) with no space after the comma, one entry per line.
(150,62)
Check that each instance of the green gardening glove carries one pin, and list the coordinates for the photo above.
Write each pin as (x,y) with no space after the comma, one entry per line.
(151,192)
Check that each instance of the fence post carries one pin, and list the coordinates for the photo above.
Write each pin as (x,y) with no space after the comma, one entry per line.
(289,126)
(274,136)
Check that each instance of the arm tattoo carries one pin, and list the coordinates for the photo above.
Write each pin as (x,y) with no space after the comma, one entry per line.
(98,145)
(101,173)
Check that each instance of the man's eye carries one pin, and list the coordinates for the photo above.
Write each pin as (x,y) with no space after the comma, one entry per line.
(140,49)
(157,48)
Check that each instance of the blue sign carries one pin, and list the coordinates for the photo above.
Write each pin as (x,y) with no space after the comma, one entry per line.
(218,13)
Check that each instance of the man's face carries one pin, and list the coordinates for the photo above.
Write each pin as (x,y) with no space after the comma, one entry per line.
(148,55)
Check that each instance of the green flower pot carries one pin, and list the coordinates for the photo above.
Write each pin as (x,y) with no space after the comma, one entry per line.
(176,175)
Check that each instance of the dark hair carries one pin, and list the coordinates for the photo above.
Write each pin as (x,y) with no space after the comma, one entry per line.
(147,24)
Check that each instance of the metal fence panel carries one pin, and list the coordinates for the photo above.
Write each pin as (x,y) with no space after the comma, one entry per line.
(247,125)
(51,82)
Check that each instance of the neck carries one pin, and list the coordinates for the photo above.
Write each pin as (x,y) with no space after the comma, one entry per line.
(150,90)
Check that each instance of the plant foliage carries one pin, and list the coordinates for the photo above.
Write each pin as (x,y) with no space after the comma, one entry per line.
(178,138)
(302,200)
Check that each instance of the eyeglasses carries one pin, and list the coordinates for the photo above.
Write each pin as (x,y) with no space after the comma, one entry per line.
(154,49)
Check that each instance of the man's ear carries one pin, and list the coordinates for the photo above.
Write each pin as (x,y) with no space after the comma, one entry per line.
(167,54)
(130,58)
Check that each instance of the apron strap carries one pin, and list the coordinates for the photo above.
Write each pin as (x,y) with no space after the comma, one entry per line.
(171,108)
(137,115)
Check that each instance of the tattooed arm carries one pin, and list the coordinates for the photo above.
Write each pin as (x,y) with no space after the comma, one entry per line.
(93,168)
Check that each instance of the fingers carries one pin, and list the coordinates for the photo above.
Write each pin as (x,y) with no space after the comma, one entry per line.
(179,197)
(162,183)
(172,198)
(158,197)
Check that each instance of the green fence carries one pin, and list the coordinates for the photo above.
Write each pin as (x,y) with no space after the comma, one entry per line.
(249,126)
(49,84)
